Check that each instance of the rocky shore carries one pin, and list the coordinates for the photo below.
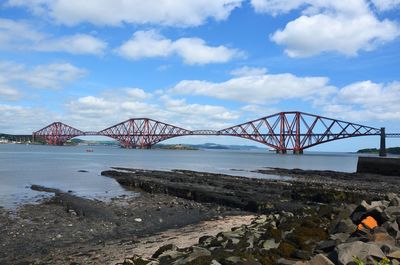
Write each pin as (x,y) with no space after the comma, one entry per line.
(67,229)
(311,218)
(320,236)
(307,216)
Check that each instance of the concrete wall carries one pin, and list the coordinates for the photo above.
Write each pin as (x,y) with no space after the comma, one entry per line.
(379,165)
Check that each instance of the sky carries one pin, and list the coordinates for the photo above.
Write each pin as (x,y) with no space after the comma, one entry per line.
(199,64)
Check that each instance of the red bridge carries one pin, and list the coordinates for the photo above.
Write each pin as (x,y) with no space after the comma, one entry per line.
(284,131)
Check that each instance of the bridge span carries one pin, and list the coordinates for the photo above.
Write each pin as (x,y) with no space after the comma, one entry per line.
(284,131)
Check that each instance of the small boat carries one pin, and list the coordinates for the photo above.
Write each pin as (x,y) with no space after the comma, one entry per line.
(89,150)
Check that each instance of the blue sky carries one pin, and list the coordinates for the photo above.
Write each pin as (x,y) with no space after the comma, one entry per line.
(199,64)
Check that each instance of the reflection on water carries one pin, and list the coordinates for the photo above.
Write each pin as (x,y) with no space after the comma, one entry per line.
(55,166)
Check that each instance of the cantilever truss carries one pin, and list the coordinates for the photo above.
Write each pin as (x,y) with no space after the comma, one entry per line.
(57,133)
(297,130)
(283,131)
(142,132)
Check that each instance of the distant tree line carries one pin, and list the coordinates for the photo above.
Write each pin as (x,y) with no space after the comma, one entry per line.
(390,150)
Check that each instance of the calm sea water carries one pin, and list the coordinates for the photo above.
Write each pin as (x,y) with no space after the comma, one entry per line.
(55,166)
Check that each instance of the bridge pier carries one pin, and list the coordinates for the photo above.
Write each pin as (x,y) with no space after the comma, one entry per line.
(298,152)
(281,151)
(382,149)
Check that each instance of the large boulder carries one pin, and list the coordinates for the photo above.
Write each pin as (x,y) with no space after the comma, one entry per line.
(320,260)
(344,226)
(393,199)
(359,212)
(366,252)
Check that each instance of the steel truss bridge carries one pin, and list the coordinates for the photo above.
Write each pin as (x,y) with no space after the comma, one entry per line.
(284,131)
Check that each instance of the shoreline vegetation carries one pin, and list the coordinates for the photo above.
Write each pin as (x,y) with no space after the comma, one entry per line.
(186,217)
(390,150)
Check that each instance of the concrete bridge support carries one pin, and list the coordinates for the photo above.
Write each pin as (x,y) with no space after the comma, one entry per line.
(382,149)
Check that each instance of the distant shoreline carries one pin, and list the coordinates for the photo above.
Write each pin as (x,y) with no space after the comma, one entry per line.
(390,150)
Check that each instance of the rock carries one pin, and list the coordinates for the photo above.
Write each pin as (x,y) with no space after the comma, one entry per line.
(214,262)
(326,246)
(250,262)
(340,237)
(250,241)
(283,261)
(286,249)
(390,196)
(395,201)
(320,260)
(270,244)
(392,228)
(394,255)
(161,250)
(206,240)
(262,219)
(169,255)
(301,254)
(364,251)
(128,262)
(233,234)
(196,252)
(380,204)
(140,260)
(395,262)
(345,226)
(393,211)
(138,220)
(359,212)
(383,238)
(233,259)
(379,214)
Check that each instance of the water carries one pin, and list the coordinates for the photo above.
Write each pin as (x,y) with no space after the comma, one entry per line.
(57,167)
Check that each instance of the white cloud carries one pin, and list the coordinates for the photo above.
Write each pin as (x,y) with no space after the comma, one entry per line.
(47,76)
(275,7)
(9,93)
(17,35)
(53,76)
(137,93)
(371,94)
(145,44)
(150,44)
(259,89)
(16,119)
(111,12)
(345,27)
(75,44)
(366,100)
(122,106)
(384,5)
(248,71)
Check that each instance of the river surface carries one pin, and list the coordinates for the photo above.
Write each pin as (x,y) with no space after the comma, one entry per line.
(59,166)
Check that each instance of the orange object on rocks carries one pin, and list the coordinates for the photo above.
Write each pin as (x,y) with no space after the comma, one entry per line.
(369,222)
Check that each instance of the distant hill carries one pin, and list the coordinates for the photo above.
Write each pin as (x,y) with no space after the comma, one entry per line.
(220,146)
(390,150)
(174,146)
(206,146)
